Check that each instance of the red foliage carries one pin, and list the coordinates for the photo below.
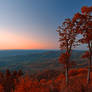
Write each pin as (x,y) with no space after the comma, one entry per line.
(73,72)
(63,58)
(67,34)
(83,24)
(86,55)
(86,9)
(77,83)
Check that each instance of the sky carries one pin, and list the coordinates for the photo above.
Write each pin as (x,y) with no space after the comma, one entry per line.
(32,24)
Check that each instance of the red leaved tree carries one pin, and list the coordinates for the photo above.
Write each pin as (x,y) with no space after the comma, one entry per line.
(67,35)
(83,23)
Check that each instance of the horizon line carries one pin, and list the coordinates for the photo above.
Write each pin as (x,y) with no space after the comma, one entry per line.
(37,49)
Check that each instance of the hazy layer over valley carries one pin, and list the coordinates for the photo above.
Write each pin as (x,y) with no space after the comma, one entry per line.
(35,60)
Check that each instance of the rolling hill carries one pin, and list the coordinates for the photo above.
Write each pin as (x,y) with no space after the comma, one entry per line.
(36,60)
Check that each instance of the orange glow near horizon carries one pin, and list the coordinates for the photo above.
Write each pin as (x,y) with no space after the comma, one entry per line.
(9,40)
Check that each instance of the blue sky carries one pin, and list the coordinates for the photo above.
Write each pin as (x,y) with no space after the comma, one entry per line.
(32,24)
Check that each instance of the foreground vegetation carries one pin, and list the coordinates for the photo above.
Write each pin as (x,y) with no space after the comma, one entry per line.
(17,82)
(80,25)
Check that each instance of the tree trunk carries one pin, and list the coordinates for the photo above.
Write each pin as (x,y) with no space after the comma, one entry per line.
(67,79)
(89,69)
(88,77)
(89,64)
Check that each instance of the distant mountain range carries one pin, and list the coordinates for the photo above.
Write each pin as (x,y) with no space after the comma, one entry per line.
(36,60)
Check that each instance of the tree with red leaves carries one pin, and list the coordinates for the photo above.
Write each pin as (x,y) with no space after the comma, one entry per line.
(67,34)
(83,23)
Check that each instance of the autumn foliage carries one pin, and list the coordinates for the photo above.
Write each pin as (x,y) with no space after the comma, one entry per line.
(67,36)
(83,22)
(77,80)
(26,83)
